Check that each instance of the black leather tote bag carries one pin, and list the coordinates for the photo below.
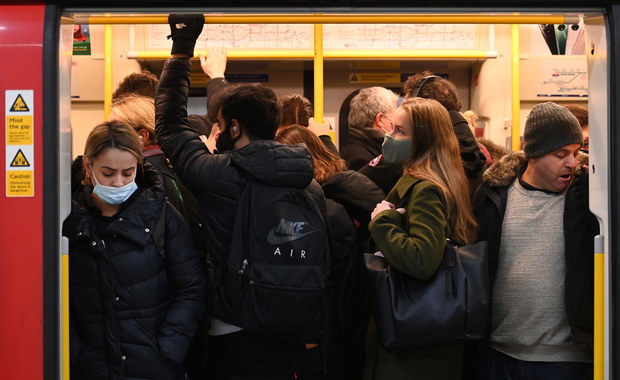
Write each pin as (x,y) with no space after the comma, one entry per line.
(449,308)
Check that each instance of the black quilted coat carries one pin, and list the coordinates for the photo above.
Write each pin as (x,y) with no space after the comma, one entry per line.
(134,309)
(217,180)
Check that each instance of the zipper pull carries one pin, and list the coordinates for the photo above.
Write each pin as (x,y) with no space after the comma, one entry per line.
(241,272)
(244,266)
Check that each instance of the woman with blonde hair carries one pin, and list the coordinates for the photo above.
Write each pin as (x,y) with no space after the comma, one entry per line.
(436,207)
(137,286)
(138,112)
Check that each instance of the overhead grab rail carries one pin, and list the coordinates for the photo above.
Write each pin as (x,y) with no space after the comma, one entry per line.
(320,18)
(318,54)
(335,54)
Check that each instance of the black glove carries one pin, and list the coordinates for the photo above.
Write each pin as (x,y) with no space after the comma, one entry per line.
(184,30)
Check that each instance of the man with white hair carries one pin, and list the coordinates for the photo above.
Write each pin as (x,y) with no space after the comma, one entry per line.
(369,118)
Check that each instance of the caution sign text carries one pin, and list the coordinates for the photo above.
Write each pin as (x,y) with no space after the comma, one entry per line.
(19,160)
(374,78)
(20,183)
(19,130)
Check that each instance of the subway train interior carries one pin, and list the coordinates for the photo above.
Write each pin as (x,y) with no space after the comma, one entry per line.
(503,57)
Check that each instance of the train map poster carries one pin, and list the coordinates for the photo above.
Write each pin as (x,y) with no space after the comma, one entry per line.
(400,36)
(335,36)
(240,36)
(562,81)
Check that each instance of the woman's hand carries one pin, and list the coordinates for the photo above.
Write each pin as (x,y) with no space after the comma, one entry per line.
(385,205)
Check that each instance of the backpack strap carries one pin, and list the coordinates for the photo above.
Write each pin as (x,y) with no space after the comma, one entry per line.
(159,232)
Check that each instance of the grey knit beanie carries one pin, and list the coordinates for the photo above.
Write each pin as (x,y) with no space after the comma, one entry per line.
(549,127)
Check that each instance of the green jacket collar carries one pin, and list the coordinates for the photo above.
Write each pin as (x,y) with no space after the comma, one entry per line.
(405,183)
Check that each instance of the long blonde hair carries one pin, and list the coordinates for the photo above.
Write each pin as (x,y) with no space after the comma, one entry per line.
(435,156)
(325,162)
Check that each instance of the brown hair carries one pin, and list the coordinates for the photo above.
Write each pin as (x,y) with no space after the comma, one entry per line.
(294,109)
(439,89)
(112,134)
(581,113)
(141,83)
(137,112)
(325,162)
(435,156)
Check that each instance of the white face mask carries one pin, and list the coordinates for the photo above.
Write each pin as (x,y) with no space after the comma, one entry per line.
(114,195)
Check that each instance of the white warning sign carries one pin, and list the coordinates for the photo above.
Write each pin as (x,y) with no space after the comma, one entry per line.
(19,142)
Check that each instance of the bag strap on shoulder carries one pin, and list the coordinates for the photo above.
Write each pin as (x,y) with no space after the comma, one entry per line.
(405,199)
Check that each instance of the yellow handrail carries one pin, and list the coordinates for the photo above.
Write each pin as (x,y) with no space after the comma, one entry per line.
(333,54)
(345,19)
(108,71)
(318,73)
(516,93)
(599,309)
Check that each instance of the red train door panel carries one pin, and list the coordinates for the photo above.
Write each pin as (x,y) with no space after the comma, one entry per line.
(21,204)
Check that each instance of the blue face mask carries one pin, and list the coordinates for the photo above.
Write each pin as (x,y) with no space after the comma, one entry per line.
(395,150)
(114,195)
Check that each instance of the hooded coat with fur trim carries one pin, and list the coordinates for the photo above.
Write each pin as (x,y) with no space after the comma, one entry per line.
(580,228)
(134,311)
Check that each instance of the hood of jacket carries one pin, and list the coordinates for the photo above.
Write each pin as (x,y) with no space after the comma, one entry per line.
(356,192)
(503,172)
(275,164)
(142,209)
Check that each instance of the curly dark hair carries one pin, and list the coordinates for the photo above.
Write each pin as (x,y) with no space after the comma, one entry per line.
(439,89)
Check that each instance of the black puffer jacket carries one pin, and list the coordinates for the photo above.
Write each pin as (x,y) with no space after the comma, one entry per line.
(356,192)
(218,180)
(349,196)
(580,227)
(361,146)
(473,159)
(133,311)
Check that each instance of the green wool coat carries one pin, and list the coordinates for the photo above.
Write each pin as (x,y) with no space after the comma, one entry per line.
(413,244)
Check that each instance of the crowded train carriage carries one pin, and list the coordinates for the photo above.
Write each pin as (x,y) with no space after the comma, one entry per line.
(503,62)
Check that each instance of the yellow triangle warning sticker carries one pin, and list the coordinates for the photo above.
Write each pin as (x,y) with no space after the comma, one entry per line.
(19,105)
(354,78)
(19,160)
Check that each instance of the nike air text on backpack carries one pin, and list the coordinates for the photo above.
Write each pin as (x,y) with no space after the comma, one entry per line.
(278,264)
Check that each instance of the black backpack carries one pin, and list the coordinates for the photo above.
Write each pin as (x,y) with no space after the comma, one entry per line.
(275,275)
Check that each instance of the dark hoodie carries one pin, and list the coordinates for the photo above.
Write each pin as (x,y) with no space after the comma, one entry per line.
(218,180)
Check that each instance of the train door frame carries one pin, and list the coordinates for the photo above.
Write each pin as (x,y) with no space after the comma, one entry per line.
(601,167)
(53,174)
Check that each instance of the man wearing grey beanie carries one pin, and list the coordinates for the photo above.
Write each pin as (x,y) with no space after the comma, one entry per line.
(533,210)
